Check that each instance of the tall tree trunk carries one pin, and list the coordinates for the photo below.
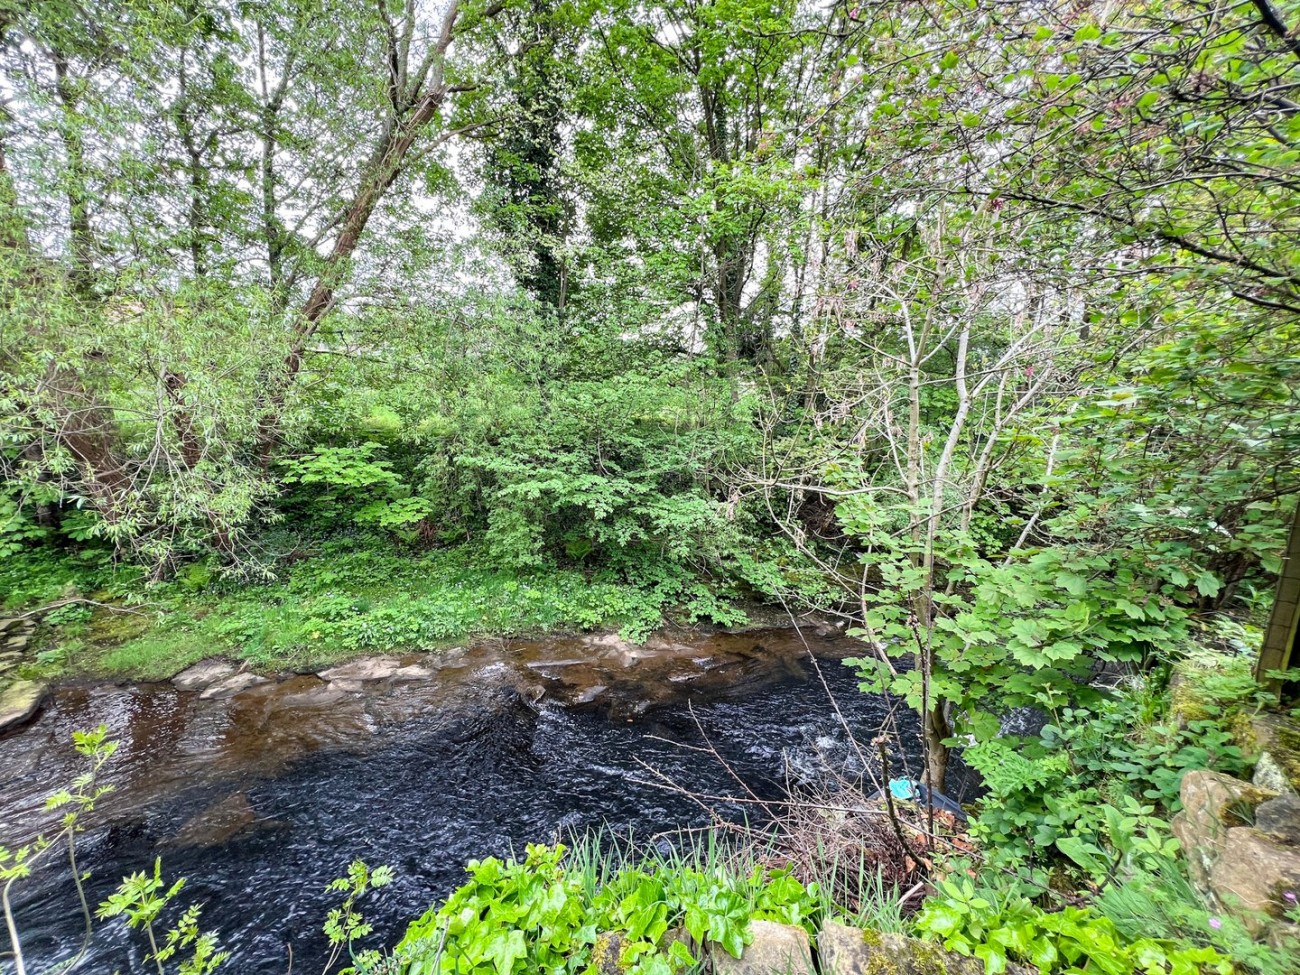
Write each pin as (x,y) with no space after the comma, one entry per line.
(410,116)
(81,238)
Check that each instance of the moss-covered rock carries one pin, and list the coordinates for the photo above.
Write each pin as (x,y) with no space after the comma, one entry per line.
(776,949)
(1274,741)
(844,950)
(606,953)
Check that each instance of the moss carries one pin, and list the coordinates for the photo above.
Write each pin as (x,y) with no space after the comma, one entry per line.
(1241,810)
(929,959)
(1185,703)
(114,629)
(1242,729)
(903,956)
(1277,735)
(1286,750)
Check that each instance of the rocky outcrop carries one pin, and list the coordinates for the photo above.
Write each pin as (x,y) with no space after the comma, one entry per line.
(1240,844)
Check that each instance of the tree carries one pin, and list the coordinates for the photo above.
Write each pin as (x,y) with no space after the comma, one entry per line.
(272,82)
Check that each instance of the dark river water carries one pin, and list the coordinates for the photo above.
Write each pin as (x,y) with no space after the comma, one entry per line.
(261,797)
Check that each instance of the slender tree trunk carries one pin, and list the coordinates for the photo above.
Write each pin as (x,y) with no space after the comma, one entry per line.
(408,121)
(81,238)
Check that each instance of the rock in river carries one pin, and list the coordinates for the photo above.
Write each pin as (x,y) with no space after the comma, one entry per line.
(19,701)
(203,674)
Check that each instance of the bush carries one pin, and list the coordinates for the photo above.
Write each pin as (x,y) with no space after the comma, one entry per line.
(1061,792)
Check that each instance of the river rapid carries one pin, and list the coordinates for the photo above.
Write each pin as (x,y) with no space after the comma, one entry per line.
(261,792)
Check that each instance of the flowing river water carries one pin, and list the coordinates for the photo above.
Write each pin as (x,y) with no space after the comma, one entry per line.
(261,794)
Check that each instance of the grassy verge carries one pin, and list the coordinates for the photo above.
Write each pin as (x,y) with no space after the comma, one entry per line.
(340,599)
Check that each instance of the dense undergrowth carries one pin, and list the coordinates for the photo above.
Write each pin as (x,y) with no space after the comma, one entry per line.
(976,324)
(338,598)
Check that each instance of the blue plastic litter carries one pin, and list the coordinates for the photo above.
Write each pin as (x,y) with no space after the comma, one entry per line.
(915,791)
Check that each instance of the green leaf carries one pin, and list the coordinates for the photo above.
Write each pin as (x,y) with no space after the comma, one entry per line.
(505,949)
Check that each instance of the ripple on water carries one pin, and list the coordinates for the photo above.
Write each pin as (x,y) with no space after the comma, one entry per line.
(263,797)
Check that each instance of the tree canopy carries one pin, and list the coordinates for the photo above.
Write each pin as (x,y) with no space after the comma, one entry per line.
(975,322)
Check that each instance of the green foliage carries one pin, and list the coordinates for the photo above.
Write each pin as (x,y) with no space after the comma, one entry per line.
(1022,631)
(546,913)
(1162,903)
(345,924)
(1093,786)
(999,929)
(141,899)
(353,480)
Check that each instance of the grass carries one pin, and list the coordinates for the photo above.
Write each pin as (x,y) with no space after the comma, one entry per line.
(342,598)
(596,856)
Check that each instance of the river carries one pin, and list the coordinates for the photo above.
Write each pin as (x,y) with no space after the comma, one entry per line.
(261,795)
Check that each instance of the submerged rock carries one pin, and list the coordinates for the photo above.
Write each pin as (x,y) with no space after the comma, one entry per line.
(216,824)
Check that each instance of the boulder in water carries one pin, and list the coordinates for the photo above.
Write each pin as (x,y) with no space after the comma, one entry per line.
(203,674)
(367,668)
(232,685)
(19,701)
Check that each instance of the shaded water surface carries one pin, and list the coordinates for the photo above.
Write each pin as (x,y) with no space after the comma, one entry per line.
(263,796)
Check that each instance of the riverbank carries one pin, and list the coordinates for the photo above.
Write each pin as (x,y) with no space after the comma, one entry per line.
(325,607)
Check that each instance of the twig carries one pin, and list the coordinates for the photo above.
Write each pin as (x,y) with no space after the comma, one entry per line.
(74,600)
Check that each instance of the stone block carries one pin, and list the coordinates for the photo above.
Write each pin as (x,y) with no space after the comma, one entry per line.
(777,949)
